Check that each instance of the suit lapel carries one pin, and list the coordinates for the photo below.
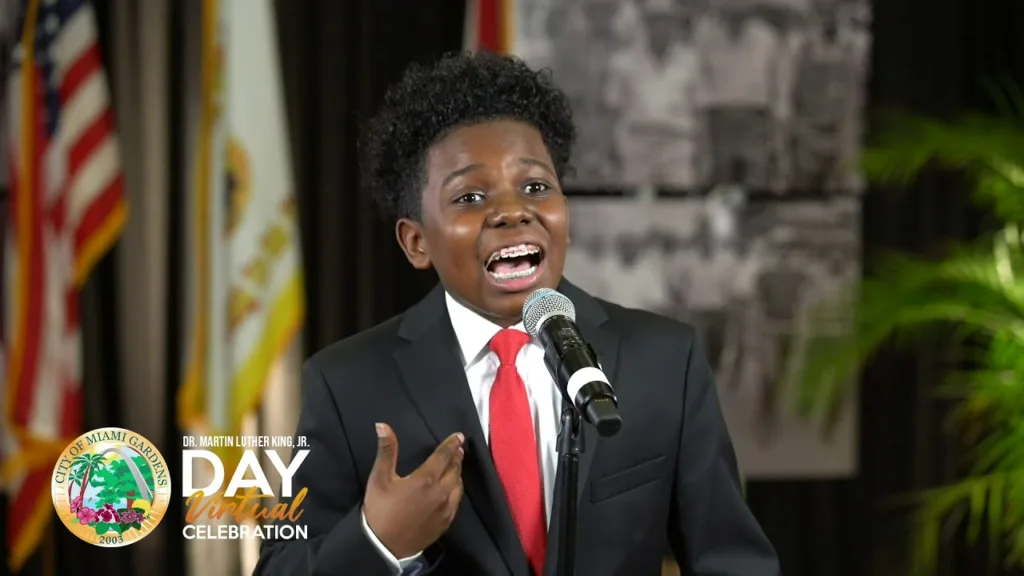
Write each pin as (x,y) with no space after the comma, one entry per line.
(436,382)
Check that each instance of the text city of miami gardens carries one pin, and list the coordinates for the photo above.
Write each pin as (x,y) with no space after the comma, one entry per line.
(241,509)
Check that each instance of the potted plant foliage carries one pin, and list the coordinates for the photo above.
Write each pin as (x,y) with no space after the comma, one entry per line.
(975,295)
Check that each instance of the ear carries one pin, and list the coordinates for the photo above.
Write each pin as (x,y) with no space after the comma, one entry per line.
(410,238)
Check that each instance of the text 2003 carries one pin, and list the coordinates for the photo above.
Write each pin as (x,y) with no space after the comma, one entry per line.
(112,539)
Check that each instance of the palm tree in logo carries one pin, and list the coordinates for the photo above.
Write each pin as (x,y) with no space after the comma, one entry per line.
(82,473)
(76,477)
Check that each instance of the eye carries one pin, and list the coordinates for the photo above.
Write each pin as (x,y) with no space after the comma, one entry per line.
(469,198)
(536,188)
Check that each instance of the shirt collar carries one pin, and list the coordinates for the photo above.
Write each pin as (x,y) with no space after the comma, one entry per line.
(472,330)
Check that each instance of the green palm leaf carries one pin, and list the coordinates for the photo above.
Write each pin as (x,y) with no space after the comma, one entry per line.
(974,299)
(981,501)
(988,149)
(967,294)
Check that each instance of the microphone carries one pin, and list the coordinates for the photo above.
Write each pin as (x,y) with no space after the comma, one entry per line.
(550,317)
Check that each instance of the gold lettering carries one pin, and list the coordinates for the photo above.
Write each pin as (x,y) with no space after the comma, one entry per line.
(242,508)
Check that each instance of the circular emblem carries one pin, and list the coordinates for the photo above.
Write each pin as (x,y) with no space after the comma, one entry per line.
(111,487)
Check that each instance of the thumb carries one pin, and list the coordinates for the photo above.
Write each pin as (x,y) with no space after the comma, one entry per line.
(387,453)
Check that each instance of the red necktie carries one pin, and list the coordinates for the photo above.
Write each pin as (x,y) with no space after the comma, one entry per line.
(514,448)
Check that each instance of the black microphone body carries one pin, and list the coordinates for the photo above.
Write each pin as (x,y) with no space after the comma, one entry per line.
(573,364)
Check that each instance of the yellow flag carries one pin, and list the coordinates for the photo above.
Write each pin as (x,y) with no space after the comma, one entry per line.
(246,287)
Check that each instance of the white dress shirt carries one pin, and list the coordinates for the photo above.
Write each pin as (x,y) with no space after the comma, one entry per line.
(474,332)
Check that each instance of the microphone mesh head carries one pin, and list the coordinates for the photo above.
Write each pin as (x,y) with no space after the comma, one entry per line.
(542,304)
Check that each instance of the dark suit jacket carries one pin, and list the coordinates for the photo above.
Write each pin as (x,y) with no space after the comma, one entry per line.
(668,476)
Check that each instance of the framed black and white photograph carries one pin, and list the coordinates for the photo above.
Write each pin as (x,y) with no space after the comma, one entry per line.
(747,274)
(689,94)
(715,183)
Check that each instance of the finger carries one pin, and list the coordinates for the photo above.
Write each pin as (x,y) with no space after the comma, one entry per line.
(387,454)
(442,457)
(452,475)
(454,499)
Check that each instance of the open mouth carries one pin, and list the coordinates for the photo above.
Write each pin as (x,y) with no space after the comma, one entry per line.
(514,263)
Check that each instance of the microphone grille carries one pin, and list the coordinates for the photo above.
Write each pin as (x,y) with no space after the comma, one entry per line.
(543,304)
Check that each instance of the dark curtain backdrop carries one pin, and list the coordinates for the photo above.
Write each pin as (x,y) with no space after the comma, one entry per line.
(339,57)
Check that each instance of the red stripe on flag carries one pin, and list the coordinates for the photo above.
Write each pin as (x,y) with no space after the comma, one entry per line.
(35,484)
(87,64)
(101,127)
(57,215)
(99,211)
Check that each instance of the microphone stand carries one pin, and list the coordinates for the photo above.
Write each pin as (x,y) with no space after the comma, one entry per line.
(570,446)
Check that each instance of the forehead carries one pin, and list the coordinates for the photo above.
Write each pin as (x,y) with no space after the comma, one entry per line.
(485,143)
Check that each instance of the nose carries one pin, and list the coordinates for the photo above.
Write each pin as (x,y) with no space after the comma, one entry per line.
(509,210)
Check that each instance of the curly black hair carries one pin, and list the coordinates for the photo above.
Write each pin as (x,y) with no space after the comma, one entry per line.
(459,90)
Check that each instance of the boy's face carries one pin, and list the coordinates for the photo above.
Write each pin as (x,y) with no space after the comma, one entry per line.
(490,186)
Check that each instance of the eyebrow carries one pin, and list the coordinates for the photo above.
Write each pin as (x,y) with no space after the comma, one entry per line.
(459,172)
(534,162)
(525,160)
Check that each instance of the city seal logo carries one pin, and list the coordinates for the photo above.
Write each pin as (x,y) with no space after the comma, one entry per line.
(111,487)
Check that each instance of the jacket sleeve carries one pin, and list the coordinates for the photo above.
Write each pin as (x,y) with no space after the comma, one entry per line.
(332,508)
(711,529)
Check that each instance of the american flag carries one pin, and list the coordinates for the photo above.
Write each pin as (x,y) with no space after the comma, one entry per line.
(66,209)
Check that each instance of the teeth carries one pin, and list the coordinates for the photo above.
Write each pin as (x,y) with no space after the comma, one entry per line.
(513,252)
(513,275)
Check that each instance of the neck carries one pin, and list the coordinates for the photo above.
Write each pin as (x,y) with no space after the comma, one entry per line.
(503,321)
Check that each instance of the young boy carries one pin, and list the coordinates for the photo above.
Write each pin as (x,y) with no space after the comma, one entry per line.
(432,436)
